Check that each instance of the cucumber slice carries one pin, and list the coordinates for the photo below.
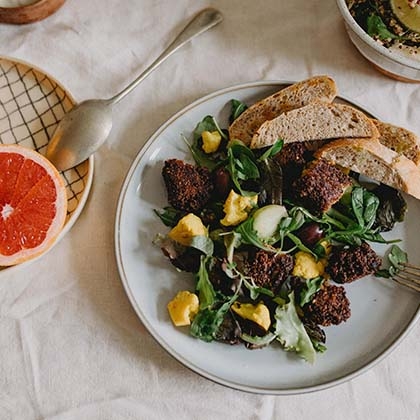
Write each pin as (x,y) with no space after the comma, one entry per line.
(266,220)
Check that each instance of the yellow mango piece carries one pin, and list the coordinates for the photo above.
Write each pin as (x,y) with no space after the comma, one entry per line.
(188,227)
(183,307)
(307,266)
(237,208)
(211,141)
(258,313)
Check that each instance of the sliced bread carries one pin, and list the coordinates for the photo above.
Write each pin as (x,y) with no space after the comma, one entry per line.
(315,121)
(400,140)
(314,89)
(376,161)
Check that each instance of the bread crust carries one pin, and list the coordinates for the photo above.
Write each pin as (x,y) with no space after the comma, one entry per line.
(400,140)
(315,89)
(369,157)
(315,121)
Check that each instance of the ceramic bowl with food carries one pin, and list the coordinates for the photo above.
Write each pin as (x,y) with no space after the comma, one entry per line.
(386,33)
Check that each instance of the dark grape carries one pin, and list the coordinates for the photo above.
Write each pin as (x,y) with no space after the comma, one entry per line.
(310,233)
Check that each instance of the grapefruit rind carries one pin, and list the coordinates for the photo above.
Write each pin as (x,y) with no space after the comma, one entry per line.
(60,205)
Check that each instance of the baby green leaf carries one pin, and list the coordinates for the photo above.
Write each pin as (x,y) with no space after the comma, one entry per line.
(377,28)
(238,108)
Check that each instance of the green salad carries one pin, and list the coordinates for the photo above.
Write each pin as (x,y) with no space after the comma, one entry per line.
(271,238)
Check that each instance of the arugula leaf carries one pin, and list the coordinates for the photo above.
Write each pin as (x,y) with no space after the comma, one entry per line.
(249,236)
(291,332)
(310,288)
(206,293)
(377,28)
(247,281)
(212,310)
(207,322)
(254,290)
(231,241)
(238,108)
(169,216)
(272,150)
(242,165)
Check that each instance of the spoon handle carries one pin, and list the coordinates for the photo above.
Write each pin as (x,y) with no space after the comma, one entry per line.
(203,21)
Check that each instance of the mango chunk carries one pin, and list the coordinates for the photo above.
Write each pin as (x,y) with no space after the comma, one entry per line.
(183,307)
(258,313)
(211,141)
(237,208)
(188,227)
(307,267)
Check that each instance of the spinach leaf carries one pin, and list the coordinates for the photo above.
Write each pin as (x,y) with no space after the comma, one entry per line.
(364,205)
(203,243)
(237,109)
(208,123)
(200,157)
(396,258)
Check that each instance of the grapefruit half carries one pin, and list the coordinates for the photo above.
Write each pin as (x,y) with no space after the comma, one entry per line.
(33,204)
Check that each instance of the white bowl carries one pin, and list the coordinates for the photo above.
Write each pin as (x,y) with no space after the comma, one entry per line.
(389,62)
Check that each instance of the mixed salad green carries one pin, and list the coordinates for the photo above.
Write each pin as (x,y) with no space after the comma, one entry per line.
(232,305)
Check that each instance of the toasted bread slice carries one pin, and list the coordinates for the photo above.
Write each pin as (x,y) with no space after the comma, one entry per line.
(314,89)
(315,122)
(376,161)
(400,140)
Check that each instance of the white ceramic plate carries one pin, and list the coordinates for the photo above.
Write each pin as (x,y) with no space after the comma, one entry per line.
(382,313)
(31,105)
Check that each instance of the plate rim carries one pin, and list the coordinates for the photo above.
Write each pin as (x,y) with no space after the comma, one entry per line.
(89,179)
(150,329)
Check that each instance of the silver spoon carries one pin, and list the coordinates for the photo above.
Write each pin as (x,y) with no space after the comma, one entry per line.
(86,126)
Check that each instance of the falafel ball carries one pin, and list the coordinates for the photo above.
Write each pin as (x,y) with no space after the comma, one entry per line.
(320,186)
(188,186)
(349,264)
(269,270)
(329,306)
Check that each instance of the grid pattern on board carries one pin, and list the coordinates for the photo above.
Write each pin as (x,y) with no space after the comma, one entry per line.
(31,105)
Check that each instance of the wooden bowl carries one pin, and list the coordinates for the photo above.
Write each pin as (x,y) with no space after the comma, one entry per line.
(30,13)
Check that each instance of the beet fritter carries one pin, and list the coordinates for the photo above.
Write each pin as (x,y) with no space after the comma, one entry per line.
(292,154)
(189,187)
(349,264)
(329,306)
(269,270)
(320,186)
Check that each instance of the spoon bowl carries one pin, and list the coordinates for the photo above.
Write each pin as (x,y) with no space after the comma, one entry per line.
(80,132)
(87,126)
